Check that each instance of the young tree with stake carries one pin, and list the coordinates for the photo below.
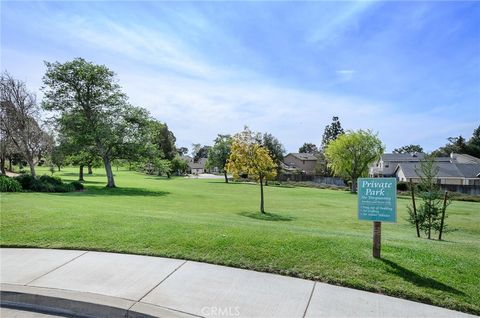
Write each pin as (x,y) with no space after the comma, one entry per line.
(247,156)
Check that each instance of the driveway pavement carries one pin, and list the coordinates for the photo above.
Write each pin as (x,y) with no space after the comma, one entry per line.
(109,285)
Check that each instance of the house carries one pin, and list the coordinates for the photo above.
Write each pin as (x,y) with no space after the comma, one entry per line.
(304,162)
(448,173)
(386,165)
(195,167)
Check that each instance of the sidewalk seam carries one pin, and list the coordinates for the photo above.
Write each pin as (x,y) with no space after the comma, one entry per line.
(309,299)
(55,268)
(160,282)
(129,310)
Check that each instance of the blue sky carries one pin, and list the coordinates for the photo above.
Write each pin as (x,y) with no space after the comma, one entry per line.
(407,70)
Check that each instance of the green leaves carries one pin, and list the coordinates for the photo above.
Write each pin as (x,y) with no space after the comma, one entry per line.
(220,152)
(92,111)
(350,154)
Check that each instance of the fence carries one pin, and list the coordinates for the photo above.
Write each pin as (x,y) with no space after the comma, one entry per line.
(330,180)
(465,189)
(304,177)
(295,177)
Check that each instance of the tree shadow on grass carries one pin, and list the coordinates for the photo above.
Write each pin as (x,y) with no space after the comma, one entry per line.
(75,174)
(93,182)
(123,191)
(417,279)
(222,182)
(266,216)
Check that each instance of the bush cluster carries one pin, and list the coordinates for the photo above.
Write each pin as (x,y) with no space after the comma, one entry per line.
(77,185)
(9,185)
(402,186)
(46,184)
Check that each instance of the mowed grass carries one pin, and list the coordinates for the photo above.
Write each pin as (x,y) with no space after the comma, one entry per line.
(309,233)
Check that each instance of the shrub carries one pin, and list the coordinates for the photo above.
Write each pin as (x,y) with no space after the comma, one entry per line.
(51,179)
(44,184)
(9,185)
(77,185)
(39,186)
(64,187)
(26,181)
(402,186)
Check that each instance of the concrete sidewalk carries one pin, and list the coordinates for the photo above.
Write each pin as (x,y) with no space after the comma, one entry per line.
(108,284)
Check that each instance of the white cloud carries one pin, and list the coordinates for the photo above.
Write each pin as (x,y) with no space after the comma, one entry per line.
(334,27)
(198,98)
(345,75)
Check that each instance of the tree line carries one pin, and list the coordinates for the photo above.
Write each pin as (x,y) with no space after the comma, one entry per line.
(90,123)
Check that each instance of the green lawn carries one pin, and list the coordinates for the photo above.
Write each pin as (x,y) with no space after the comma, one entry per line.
(308,233)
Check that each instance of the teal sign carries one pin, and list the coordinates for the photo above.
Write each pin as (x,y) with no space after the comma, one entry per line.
(377,199)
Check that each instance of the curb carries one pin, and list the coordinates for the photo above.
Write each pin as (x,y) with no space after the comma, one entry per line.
(79,304)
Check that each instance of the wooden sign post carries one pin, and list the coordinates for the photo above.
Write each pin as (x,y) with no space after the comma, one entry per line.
(377,238)
(377,202)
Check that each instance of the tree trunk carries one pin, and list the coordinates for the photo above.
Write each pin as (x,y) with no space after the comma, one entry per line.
(429,227)
(90,169)
(226,178)
(261,196)
(10,164)
(2,165)
(58,167)
(32,168)
(80,174)
(108,170)
(354,186)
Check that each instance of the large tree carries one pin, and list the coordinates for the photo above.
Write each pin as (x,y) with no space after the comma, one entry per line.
(274,147)
(219,153)
(19,121)
(199,151)
(92,109)
(58,156)
(275,150)
(332,132)
(408,149)
(7,151)
(474,143)
(163,139)
(461,145)
(308,147)
(455,145)
(351,154)
(182,151)
(179,165)
(249,157)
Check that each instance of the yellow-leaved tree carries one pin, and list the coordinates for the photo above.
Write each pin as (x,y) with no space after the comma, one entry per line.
(248,156)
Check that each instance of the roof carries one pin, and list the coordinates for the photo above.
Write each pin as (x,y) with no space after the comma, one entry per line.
(304,156)
(464,158)
(469,170)
(403,156)
(445,170)
(200,164)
